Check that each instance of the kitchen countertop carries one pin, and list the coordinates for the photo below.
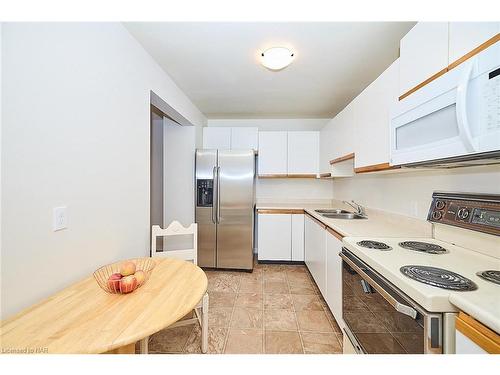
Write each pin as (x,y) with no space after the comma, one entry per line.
(378,223)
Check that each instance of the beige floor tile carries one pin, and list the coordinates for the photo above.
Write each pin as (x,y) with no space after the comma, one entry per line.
(274,275)
(219,316)
(275,287)
(224,282)
(306,302)
(255,276)
(310,320)
(253,300)
(302,288)
(282,342)
(251,286)
(216,340)
(221,299)
(320,343)
(298,277)
(280,320)
(247,318)
(332,321)
(245,341)
(171,340)
(278,302)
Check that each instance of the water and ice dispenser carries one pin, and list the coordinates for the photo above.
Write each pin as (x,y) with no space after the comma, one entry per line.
(204,193)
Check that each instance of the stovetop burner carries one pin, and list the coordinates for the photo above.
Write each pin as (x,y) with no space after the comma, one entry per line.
(438,277)
(490,275)
(374,245)
(424,247)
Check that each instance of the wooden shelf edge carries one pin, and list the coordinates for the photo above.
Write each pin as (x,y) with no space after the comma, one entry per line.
(376,168)
(271,211)
(272,176)
(453,65)
(342,158)
(479,333)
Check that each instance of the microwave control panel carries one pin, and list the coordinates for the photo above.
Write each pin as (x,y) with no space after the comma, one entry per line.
(471,211)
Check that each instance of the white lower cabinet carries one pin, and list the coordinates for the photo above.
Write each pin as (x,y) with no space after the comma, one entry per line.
(315,252)
(298,237)
(334,276)
(281,237)
(464,345)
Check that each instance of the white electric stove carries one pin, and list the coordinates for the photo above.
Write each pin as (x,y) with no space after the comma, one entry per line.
(399,293)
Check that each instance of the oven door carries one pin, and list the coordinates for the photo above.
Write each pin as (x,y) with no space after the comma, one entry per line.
(379,318)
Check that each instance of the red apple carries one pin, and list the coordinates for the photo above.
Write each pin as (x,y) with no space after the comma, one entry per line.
(114,282)
(128,284)
(140,275)
(127,268)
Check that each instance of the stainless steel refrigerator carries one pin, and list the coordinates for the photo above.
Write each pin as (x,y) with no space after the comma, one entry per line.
(225,199)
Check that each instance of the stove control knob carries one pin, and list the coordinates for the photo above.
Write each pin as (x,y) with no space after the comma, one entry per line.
(436,215)
(440,205)
(463,213)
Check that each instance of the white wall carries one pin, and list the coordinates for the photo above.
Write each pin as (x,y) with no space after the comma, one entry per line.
(410,193)
(75,126)
(284,189)
(179,153)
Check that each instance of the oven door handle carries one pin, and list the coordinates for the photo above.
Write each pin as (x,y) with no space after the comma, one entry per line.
(398,306)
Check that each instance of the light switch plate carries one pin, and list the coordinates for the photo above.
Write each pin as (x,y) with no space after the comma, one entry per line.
(59,218)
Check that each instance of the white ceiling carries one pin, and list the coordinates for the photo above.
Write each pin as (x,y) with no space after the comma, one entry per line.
(217,64)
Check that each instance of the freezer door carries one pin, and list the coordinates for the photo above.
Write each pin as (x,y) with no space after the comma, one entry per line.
(235,211)
(205,215)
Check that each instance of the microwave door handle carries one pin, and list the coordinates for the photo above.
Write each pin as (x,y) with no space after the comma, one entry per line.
(461,107)
(398,306)
(214,195)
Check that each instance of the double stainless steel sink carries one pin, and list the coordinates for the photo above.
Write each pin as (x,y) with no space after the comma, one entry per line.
(339,214)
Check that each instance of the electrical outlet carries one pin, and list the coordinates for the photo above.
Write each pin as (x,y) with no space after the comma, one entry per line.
(59,218)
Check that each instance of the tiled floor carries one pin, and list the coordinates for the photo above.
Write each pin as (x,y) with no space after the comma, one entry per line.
(275,309)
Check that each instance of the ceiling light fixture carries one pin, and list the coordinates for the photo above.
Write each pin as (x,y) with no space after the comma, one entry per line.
(277,58)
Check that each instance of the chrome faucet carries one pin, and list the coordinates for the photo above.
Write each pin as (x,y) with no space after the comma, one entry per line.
(360,210)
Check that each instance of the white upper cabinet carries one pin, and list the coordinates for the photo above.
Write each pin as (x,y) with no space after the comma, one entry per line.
(244,138)
(373,118)
(273,152)
(217,138)
(303,152)
(424,52)
(465,36)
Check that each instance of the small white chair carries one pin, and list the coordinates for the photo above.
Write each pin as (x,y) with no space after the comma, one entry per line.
(201,310)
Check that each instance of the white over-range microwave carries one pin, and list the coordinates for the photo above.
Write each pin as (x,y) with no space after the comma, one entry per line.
(453,120)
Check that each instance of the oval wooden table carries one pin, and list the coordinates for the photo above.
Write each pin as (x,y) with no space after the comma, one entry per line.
(85,319)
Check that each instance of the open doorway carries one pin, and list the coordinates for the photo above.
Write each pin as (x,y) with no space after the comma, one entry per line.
(172,150)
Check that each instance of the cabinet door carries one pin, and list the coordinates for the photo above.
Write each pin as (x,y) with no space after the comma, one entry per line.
(217,138)
(334,276)
(465,36)
(298,237)
(423,53)
(315,253)
(303,152)
(464,345)
(244,138)
(275,237)
(373,118)
(273,152)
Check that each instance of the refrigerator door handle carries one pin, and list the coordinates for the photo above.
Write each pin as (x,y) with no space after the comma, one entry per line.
(218,195)
(214,195)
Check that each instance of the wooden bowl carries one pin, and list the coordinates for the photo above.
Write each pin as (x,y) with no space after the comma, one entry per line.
(116,286)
